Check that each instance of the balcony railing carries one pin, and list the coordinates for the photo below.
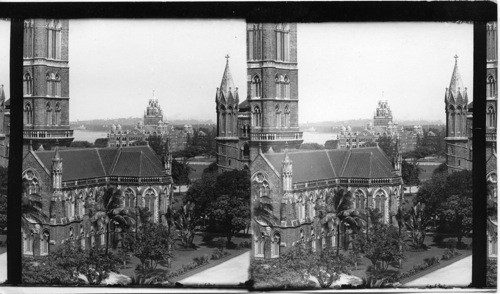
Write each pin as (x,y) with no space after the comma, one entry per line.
(47,134)
(491,136)
(276,136)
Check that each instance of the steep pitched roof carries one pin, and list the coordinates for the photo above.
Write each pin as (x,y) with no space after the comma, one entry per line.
(227,80)
(136,161)
(327,164)
(456,80)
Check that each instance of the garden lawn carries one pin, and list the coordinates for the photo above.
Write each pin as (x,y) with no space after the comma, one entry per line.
(412,257)
(183,256)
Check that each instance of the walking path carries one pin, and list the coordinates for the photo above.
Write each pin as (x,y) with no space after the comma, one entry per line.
(456,274)
(229,273)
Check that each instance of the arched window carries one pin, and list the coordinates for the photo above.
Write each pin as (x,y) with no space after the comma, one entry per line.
(256,87)
(286,84)
(254,34)
(277,83)
(230,120)
(27,85)
(81,205)
(287,116)
(380,199)
(334,237)
(57,86)
(282,42)
(28,38)
(223,120)
(44,243)
(54,39)
(57,120)
(31,185)
(48,80)
(259,245)
(257,117)
(491,117)
(323,238)
(313,240)
(260,187)
(491,87)
(301,208)
(150,196)
(452,121)
(82,237)
(48,114)
(275,245)
(102,233)
(459,121)
(28,239)
(359,200)
(277,116)
(312,211)
(28,114)
(129,198)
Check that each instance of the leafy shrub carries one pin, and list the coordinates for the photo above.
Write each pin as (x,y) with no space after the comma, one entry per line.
(451,243)
(218,254)
(208,239)
(491,273)
(243,245)
(201,260)
(431,261)
(449,254)
(219,243)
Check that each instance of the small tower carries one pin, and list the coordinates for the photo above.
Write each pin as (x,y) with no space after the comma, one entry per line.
(227,108)
(398,159)
(456,104)
(287,173)
(57,170)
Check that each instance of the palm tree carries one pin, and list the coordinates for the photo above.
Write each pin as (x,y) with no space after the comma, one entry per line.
(185,222)
(262,212)
(111,211)
(338,212)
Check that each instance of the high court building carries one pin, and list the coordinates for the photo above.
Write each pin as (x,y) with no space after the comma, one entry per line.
(66,179)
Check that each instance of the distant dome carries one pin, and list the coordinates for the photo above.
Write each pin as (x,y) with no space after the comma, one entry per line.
(113,127)
(342,129)
(119,127)
(348,128)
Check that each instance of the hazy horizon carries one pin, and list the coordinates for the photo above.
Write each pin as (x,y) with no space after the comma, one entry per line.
(344,68)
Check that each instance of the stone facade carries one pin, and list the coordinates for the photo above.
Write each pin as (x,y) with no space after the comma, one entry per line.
(66,180)
(268,119)
(294,183)
(4,128)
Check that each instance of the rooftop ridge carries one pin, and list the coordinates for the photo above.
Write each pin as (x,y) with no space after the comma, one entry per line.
(331,164)
(344,164)
(100,160)
(115,161)
(371,163)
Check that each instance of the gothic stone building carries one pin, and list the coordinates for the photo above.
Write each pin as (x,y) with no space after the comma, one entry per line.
(295,182)
(68,179)
(267,119)
(459,115)
(153,124)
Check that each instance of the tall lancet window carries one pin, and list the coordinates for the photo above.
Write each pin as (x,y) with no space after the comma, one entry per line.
(286,86)
(257,117)
(491,117)
(459,121)
(277,116)
(451,122)
(490,87)
(54,29)
(223,120)
(28,114)
(277,83)
(254,32)
(57,114)
(28,38)
(27,85)
(256,87)
(230,119)
(287,116)
(282,42)
(57,86)
(48,114)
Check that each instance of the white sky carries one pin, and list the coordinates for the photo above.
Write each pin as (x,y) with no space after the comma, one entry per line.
(343,67)
(5,56)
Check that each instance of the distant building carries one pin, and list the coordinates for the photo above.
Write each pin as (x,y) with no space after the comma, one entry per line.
(153,125)
(383,125)
(459,116)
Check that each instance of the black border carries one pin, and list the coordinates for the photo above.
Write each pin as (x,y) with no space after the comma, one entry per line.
(478,12)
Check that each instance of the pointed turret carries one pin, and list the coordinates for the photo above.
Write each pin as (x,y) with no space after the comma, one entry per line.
(227,91)
(57,170)
(287,173)
(456,93)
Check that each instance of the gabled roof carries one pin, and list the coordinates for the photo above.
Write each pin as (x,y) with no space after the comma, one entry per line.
(227,80)
(341,163)
(135,161)
(456,83)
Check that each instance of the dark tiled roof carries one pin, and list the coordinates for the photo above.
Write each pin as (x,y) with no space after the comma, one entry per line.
(327,164)
(244,105)
(491,161)
(136,161)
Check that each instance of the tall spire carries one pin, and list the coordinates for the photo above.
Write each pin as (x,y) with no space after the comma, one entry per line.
(227,80)
(456,83)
